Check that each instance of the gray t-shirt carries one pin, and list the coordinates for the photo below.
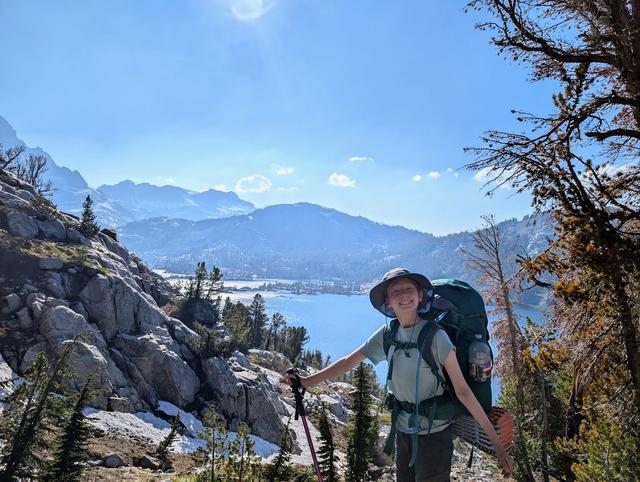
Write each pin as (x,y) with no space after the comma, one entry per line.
(403,382)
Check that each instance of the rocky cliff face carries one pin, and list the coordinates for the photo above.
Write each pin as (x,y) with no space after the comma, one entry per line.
(59,287)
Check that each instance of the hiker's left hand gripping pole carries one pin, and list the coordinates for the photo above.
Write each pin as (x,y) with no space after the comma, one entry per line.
(296,386)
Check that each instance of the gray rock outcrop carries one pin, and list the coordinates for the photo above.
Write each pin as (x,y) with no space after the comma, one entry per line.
(245,396)
(113,460)
(20,224)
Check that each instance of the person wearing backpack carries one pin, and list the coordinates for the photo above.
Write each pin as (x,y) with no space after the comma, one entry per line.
(422,365)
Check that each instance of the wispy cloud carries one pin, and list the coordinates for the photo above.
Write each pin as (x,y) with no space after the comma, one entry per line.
(288,189)
(449,170)
(254,183)
(340,180)
(249,10)
(434,174)
(283,170)
(417,178)
(222,187)
(361,158)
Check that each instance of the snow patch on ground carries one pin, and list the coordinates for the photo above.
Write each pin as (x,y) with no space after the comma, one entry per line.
(147,427)
(9,376)
(191,423)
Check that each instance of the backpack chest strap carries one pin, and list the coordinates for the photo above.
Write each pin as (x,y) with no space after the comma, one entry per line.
(399,345)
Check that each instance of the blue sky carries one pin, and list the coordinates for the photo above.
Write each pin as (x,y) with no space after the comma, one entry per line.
(362,106)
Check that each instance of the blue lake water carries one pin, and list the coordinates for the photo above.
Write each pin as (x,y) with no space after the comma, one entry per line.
(339,324)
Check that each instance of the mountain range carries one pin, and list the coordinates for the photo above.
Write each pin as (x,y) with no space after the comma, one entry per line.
(306,241)
(174,228)
(127,201)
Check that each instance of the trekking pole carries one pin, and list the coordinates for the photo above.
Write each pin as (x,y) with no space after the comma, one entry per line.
(297,394)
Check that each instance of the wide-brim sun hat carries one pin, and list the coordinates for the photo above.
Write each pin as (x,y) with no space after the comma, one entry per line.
(378,294)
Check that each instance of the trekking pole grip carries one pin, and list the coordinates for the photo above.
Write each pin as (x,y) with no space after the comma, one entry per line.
(296,384)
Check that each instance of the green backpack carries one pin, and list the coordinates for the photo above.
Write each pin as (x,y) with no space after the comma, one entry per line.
(459,310)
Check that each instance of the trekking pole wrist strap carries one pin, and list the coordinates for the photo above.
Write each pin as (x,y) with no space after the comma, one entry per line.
(298,394)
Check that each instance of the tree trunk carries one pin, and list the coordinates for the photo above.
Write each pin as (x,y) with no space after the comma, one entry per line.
(545,430)
(629,336)
(574,416)
(517,368)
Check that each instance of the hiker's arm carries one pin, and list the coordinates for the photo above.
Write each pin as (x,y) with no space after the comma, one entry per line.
(469,400)
(337,368)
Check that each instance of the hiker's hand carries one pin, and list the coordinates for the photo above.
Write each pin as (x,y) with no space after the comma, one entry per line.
(288,378)
(505,461)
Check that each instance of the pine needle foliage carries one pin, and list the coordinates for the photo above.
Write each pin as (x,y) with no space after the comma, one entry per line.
(243,464)
(88,226)
(71,446)
(326,451)
(32,412)
(257,319)
(162,451)
(362,427)
(211,456)
(280,468)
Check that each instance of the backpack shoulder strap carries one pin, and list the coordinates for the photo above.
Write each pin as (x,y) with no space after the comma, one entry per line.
(425,342)
(389,335)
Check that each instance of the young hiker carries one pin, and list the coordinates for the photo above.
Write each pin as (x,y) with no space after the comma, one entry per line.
(406,296)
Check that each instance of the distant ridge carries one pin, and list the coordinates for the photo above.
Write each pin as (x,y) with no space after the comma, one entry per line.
(148,201)
(126,201)
(307,241)
(71,189)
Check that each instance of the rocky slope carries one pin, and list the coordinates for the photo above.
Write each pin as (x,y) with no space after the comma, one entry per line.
(57,286)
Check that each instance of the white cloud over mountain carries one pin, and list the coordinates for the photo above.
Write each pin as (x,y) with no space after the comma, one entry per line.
(341,180)
(255,183)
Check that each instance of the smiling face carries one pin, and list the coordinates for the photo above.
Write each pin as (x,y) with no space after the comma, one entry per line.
(404,296)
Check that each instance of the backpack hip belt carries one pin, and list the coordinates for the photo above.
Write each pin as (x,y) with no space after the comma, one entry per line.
(424,407)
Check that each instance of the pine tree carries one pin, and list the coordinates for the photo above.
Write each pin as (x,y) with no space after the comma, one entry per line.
(215,286)
(71,447)
(88,226)
(236,319)
(211,455)
(31,411)
(280,468)
(362,427)
(326,452)
(277,323)
(162,451)
(258,319)
(489,261)
(200,280)
(207,343)
(242,459)
(291,340)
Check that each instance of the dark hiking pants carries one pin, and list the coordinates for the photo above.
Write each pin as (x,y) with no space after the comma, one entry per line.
(433,460)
